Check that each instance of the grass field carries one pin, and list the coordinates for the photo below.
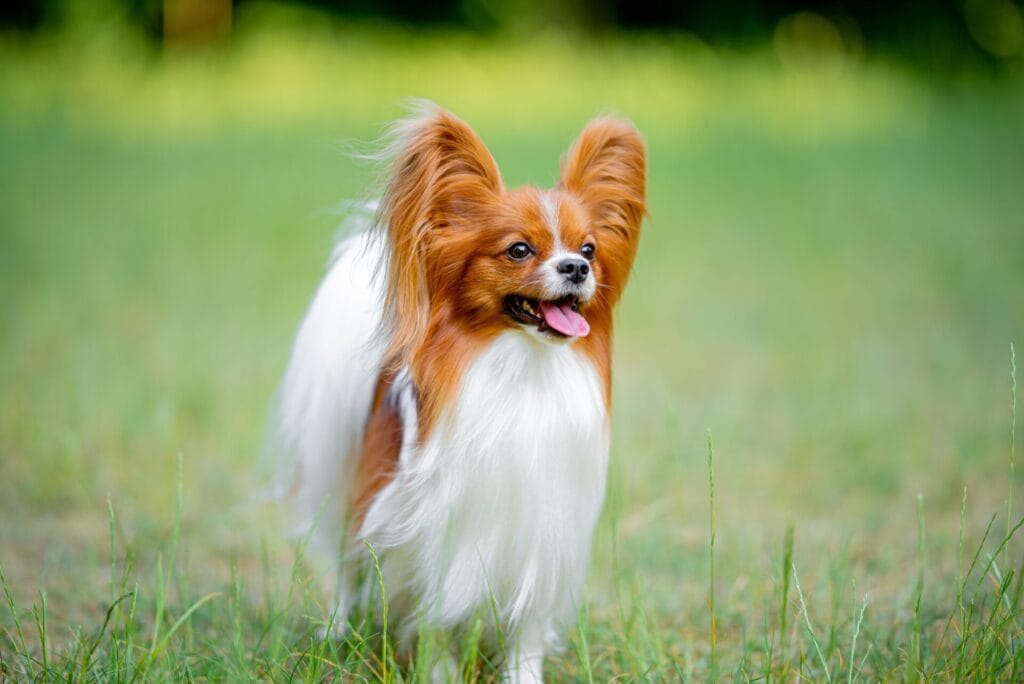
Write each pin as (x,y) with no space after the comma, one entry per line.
(829,284)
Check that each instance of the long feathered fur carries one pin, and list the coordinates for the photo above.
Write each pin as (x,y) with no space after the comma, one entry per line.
(440,173)
(321,405)
(488,497)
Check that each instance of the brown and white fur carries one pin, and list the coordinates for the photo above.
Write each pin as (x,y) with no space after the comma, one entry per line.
(447,400)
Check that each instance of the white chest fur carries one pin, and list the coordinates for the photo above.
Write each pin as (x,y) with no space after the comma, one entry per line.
(502,499)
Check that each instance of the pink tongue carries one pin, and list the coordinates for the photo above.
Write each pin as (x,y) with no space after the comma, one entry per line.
(562,318)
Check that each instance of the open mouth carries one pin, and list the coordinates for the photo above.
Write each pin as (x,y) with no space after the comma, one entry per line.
(559,317)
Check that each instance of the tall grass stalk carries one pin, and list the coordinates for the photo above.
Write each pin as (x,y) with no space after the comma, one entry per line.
(1013,433)
(20,645)
(994,555)
(159,649)
(767,644)
(113,549)
(917,635)
(582,646)
(39,614)
(385,672)
(856,633)
(810,628)
(711,555)
(960,556)
(787,564)
(965,623)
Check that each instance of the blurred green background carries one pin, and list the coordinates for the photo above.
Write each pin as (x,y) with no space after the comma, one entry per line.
(830,279)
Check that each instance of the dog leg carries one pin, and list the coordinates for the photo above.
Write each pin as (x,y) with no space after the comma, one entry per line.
(526,661)
(337,625)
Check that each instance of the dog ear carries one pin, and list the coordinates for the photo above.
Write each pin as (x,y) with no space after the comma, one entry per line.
(607,169)
(442,177)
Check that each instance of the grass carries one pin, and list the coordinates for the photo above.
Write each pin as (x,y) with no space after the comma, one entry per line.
(828,283)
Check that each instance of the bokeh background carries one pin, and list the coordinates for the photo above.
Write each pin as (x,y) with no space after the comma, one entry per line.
(830,281)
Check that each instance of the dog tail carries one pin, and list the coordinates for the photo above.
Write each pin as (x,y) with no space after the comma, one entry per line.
(325,398)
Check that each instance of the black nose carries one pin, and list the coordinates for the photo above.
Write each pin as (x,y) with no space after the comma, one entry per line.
(575,270)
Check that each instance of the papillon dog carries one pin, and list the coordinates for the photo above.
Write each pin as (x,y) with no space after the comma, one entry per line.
(445,412)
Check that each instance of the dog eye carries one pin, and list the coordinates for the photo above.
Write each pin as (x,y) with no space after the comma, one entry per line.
(587,251)
(519,251)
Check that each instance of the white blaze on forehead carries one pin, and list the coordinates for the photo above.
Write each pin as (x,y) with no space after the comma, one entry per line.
(549,211)
(552,281)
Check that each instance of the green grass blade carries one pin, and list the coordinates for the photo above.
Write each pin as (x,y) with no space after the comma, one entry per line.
(810,628)
(856,633)
(1013,433)
(386,674)
(155,653)
(711,556)
(787,564)
(21,645)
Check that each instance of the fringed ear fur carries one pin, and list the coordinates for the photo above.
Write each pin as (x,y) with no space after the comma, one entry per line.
(442,175)
(607,170)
